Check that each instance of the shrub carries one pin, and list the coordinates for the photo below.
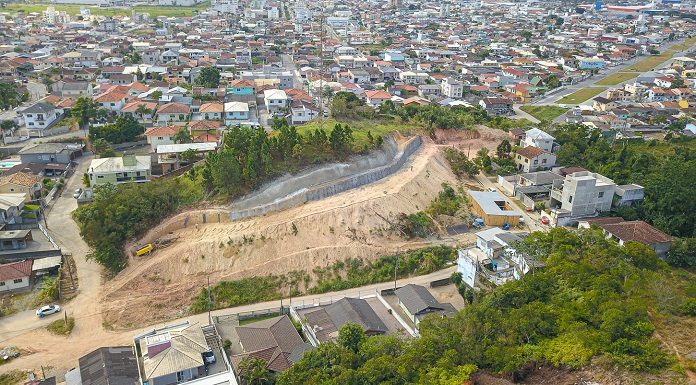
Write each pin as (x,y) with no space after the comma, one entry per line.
(60,327)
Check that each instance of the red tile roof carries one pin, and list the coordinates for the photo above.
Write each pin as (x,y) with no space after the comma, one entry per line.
(162,131)
(530,152)
(16,270)
(638,231)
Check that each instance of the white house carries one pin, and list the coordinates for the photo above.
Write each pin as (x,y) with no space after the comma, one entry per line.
(538,138)
(275,99)
(15,275)
(159,135)
(452,88)
(531,158)
(302,112)
(236,112)
(40,115)
(377,97)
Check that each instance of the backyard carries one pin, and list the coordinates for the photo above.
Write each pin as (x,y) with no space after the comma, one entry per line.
(544,113)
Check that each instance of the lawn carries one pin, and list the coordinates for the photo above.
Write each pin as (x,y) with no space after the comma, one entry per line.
(582,95)
(360,128)
(653,61)
(12,377)
(74,9)
(617,78)
(544,113)
(247,321)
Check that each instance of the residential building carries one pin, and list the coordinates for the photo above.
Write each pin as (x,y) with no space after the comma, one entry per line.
(159,135)
(172,113)
(629,194)
(631,231)
(11,207)
(417,302)
(115,365)
(123,169)
(324,323)
(537,138)
(531,159)
(494,209)
(302,112)
(236,112)
(14,275)
(274,340)
(210,111)
(275,100)
(497,106)
(22,183)
(50,153)
(39,115)
(452,88)
(580,194)
(169,155)
(376,97)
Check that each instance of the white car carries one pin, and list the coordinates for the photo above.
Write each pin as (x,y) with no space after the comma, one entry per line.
(77,193)
(47,310)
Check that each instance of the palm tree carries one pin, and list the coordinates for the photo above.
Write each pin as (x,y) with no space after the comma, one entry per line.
(142,110)
(84,110)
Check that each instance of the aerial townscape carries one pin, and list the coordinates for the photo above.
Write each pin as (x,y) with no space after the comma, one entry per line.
(347,192)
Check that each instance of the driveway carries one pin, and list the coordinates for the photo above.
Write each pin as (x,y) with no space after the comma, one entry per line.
(530,223)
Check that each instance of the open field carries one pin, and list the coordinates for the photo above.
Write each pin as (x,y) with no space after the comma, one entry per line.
(653,61)
(617,78)
(74,9)
(582,95)
(544,113)
(361,127)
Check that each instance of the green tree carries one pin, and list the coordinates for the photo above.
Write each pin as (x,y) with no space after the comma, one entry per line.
(503,149)
(341,139)
(183,135)
(142,110)
(682,253)
(209,77)
(253,371)
(351,336)
(156,95)
(84,110)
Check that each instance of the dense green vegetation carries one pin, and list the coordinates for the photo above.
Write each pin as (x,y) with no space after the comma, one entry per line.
(12,377)
(124,129)
(10,97)
(124,211)
(339,276)
(667,171)
(594,301)
(251,157)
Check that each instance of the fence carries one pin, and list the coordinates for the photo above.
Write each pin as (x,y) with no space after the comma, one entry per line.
(334,187)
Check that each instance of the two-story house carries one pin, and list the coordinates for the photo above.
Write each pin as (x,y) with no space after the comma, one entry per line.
(172,113)
(529,159)
(117,170)
(160,135)
(39,116)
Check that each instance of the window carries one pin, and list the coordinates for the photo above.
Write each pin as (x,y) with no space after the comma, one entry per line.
(18,280)
(570,199)
(536,161)
(160,137)
(519,157)
(601,194)
(543,161)
(526,161)
(100,176)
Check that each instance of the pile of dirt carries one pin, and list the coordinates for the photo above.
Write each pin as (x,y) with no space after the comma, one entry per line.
(340,227)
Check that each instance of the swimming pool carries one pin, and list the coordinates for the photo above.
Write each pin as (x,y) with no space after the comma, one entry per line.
(9,163)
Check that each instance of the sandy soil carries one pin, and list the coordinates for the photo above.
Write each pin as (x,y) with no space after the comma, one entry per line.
(340,227)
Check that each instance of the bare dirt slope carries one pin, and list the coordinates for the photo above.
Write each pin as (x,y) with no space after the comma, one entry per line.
(333,229)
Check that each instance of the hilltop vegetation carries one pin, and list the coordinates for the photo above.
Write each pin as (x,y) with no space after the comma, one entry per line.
(594,302)
(666,169)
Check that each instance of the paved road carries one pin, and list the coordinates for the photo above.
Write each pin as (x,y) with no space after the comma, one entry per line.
(591,82)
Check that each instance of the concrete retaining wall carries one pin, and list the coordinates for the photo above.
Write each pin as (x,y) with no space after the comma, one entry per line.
(327,181)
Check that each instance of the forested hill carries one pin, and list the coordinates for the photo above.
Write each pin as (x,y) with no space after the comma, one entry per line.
(594,302)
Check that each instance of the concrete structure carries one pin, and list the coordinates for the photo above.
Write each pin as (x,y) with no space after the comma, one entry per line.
(629,194)
(125,169)
(160,135)
(580,194)
(236,112)
(39,116)
(275,100)
(417,302)
(494,209)
(452,88)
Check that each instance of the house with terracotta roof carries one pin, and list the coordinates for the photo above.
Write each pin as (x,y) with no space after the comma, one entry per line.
(22,183)
(210,111)
(631,231)
(113,99)
(529,159)
(160,135)
(377,97)
(133,109)
(15,275)
(172,113)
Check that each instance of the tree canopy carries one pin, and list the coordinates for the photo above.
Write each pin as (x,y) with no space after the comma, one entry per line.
(209,77)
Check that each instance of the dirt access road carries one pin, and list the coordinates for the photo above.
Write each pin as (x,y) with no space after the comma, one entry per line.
(66,233)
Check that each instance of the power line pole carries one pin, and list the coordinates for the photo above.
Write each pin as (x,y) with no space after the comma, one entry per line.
(321,64)
(210,304)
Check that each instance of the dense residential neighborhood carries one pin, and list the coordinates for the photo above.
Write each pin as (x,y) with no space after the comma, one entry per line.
(263,192)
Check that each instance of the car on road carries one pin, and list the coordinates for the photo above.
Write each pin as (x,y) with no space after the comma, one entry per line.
(77,193)
(47,310)
(491,189)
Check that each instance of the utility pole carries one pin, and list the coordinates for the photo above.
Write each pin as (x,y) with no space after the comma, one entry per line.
(321,65)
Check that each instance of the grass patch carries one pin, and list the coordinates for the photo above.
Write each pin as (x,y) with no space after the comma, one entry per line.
(74,9)
(360,128)
(582,95)
(544,113)
(12,377)
(247,321)
(61,328)
(342,275)
(617,78)
(651,62)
